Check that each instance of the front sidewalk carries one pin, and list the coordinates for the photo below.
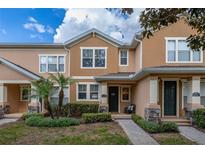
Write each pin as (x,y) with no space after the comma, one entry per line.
(136,134)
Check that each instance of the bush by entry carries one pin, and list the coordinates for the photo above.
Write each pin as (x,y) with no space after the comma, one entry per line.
(39,121)
(96,117)
(199,117)
(153,127)
(78,108)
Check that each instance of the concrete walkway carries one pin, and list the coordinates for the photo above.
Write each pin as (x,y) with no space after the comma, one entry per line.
(193,134)
(136,134)
(7,120)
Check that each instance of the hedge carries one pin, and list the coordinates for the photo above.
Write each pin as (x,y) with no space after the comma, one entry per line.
(78,108)
(38,121)
(199,117)
(96,117)
(153,127)
(28,115)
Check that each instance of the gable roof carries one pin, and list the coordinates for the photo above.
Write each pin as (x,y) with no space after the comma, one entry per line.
(95,32)
(19,69)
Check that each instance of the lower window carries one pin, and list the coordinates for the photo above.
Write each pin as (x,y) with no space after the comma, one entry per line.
(25,93)
(125,94)
(88,91)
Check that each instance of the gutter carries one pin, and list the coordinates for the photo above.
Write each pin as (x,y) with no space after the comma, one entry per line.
(140,51)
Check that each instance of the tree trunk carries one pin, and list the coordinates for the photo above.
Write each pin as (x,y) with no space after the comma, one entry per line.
(60,102)
(48,107)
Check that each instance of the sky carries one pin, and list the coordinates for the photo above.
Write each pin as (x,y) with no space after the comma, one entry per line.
(60,25)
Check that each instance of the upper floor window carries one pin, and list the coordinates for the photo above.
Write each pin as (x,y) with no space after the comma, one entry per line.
(52,63)
(124,57)
(177,51)
(93,57)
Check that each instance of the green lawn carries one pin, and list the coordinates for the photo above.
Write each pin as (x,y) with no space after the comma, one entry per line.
(171,139)
(87,134)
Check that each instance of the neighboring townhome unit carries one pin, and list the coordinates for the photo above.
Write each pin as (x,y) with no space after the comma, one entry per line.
(161,75)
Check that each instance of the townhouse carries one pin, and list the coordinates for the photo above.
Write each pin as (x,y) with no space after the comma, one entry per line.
(160,75)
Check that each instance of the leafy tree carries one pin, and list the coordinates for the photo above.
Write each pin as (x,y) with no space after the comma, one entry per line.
(154,19)
(63,82)
(43,89)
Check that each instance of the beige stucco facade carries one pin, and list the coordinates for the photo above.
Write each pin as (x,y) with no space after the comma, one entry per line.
(145,92)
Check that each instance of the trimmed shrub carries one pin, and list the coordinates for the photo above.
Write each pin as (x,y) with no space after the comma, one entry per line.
(78,108)
(199,117)
(153,127)
(169,127)
(28,115)
(48,122)
(96,117)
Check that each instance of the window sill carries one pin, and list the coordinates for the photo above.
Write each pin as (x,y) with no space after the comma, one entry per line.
(185,62)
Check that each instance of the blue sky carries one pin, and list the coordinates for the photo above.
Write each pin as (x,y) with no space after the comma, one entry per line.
(59,25)
(13,21)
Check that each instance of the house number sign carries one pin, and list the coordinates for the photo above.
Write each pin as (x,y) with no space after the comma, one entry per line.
(196,94)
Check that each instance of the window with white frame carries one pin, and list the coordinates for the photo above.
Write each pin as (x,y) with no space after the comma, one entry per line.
(124,57)
(55,95)
(125,94)
(178,52)
(25,92)
(87,91)
(52,63)
(93,57)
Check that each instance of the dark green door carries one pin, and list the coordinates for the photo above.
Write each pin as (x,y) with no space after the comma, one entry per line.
(113,99)
(170,93)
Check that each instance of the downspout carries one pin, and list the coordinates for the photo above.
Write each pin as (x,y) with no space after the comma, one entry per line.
(140,52)
(68,50)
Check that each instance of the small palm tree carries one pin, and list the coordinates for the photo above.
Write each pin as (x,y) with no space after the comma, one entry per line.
(62,82)
(43,89)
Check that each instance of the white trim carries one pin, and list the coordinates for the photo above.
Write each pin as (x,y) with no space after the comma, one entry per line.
(93,49)
(82,77)
(176,39)
(140,52)
(121,88)
(15,81)
(88,91)
(22,87)
(48,55)
(177,99)
(128,52)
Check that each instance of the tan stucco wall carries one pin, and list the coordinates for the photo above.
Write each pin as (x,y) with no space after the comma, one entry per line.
(154,48)
(140,95)
(112,58)
(13,99)
(7,73)
(29,58)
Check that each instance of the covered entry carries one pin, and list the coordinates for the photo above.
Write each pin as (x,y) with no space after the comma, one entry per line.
(113,98)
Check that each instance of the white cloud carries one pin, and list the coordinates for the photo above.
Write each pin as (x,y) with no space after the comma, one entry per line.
(3,31)
(34,25)
(32,19)
(77,21)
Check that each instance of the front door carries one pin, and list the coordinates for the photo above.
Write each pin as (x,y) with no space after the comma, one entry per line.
(170,98)
(113,99)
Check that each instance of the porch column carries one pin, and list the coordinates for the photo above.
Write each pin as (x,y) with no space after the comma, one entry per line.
(104,98)
(194,99)
(1,95)
(152,111)
(34,104)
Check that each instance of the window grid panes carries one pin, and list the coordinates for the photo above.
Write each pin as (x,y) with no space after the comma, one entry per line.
(123,57)
(178,51)
(94,91)
(82,91)
(52,64)
(93,58)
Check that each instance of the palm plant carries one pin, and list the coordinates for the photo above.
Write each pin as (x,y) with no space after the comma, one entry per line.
(43,89)
(62,82)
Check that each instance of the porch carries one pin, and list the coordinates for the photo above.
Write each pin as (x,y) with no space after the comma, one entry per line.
(175,96)
(15,97)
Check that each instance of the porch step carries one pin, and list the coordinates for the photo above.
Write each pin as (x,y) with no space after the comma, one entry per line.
(180,122)
(121,116)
